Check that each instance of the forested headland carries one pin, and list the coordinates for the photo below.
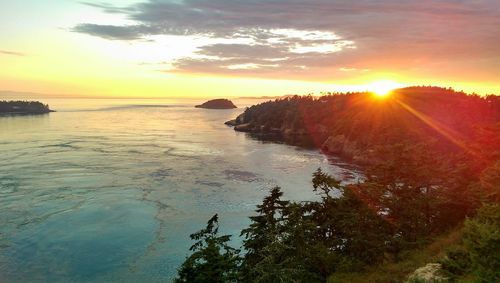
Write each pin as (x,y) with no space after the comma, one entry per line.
(354,124)
(432,176)
(23,107)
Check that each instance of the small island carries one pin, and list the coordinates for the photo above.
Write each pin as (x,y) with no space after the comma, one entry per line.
(23,107)
(217,104)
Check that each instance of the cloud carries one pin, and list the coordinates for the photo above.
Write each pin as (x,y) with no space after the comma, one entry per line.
(311,36)
(113,32)
(13,53)
(106,7)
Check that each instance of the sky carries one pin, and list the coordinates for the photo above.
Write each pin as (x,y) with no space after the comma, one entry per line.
(232,48)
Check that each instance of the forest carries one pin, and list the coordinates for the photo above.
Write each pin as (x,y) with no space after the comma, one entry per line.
(354,124)
(430,157)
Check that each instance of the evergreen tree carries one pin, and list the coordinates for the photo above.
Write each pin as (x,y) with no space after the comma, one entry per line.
(263,234)
(351,229)
(213,260)
(482,241)
(478,256)
(410,187)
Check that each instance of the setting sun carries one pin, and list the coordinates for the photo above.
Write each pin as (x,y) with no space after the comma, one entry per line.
(383,88)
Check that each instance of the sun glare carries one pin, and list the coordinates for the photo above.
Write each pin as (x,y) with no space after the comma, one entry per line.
(383,88)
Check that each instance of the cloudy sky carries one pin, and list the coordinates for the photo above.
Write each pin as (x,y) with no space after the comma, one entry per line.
(246,47)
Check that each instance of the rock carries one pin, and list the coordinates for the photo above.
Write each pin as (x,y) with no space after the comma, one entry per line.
(342,146)
(428,273)
(217,104)
(237,121)
(274,130)
(335,144)
(287,132)
(231,123)
(247,127)
(320,129)
(241,118)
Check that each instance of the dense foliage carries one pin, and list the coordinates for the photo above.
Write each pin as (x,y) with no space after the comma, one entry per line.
(28,107)
(479,254)
(351,227)
(212,259)
(432,164)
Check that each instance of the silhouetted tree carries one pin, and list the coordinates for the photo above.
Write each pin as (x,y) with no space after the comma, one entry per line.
(213,260)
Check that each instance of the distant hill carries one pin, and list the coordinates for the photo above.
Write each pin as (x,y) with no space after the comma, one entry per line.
(23,107)
(266,97)
(217,104)
(21,95)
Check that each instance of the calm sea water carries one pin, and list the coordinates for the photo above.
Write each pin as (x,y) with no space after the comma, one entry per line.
(109,190)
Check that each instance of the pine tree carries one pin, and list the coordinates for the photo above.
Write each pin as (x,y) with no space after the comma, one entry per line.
(351,229)
(213,260)
(262,237)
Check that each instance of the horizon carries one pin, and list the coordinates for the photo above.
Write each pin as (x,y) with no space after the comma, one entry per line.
(13,95)
(203,49)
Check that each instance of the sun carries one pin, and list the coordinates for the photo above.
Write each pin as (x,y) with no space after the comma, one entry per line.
(383,88)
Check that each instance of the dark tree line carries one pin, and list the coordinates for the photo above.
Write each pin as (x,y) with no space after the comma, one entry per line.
(29,107)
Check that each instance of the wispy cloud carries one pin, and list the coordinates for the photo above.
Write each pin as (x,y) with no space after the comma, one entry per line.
(309,37)
(112,32)
(12,53)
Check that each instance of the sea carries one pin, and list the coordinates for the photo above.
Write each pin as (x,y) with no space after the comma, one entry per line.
(109,190)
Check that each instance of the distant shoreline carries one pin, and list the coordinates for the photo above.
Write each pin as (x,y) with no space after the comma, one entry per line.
(19,107)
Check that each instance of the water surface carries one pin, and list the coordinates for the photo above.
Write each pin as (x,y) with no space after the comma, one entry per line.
(109,190)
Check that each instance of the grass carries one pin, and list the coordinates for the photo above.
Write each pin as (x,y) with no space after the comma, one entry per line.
(389,272)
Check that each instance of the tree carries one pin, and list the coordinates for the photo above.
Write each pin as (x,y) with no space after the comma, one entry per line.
(482,241)
(478,256)
(351,229)
(311,260)
(280,245)
(261,237)
(213,260)
(490,183)
(413,188)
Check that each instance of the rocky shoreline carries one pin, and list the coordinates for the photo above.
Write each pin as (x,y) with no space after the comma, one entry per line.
(316,136)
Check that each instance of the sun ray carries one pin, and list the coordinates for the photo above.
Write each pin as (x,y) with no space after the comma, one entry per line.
(441,129)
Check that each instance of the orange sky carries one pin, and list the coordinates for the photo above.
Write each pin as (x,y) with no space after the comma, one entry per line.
(209,48)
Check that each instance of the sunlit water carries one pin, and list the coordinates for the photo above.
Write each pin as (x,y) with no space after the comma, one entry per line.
(109,190)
